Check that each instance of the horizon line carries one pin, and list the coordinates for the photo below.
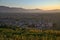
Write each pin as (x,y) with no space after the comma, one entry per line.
(30,8)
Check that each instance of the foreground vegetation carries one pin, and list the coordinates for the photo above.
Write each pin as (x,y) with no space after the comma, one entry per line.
(28,34)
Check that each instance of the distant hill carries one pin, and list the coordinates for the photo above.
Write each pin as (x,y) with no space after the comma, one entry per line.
(22,10)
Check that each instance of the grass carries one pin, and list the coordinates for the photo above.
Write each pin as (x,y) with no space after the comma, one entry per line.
(28,34)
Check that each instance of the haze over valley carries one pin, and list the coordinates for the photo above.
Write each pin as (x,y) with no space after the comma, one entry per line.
(29,19)
(5,9)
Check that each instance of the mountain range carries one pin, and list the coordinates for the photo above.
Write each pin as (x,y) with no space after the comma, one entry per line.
(5,9)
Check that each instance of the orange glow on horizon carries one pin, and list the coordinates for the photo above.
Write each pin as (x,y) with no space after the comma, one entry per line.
(50,7)
(44,7)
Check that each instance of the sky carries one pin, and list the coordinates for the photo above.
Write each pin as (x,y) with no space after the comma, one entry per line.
(32,4)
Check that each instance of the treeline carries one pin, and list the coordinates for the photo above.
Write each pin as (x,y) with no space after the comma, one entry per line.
(53,27)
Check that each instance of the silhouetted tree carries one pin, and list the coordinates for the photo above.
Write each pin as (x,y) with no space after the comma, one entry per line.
(3,25)
(32,25)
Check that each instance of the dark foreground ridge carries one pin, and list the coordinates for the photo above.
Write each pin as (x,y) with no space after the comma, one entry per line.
(18,33)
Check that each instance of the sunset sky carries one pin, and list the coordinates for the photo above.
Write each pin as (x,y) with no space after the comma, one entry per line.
(32,4)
